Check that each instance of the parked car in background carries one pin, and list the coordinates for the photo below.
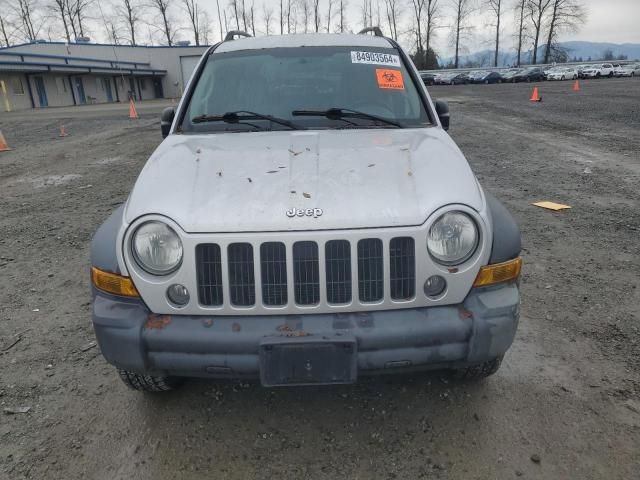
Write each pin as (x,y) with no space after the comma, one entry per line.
(507,75)
(460,79)
(487,77)
(428,78)
(530,74)
(562,73)
(580,69)
(598,70)
(475,74)
(630,70)
(444,78)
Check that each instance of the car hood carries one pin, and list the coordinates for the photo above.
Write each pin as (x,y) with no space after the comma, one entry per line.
(244,182)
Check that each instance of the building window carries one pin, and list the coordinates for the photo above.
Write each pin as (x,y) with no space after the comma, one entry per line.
(143,84)
(18,87)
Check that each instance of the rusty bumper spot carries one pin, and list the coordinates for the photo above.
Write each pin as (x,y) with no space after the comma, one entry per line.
(155,321)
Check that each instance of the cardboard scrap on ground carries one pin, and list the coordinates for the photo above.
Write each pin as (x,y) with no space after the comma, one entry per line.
(551,205)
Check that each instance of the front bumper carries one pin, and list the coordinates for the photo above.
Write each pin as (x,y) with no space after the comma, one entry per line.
(133,338)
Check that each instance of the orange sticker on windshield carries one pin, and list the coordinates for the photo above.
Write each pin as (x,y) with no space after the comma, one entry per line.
(388,78)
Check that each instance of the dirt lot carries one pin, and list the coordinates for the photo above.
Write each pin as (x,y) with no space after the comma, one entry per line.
(568,395)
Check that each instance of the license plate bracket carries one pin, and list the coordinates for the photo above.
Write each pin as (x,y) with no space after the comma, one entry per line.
(311,360)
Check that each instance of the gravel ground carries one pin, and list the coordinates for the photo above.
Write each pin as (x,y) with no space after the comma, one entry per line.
(566,403)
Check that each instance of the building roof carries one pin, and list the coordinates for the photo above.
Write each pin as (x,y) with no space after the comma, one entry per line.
(38,62)
(304,40)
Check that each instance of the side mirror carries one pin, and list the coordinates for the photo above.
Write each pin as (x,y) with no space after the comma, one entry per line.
(166,119)
(442,109)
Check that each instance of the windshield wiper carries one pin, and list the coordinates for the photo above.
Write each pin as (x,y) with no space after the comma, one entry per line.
(340,113)
(241,115)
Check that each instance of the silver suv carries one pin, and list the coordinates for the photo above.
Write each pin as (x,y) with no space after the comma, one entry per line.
(307,219)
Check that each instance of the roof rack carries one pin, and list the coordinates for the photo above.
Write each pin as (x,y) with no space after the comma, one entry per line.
(235,33)
(375,30)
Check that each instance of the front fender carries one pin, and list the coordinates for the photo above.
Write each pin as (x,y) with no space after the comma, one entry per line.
(506,234)
(104,243)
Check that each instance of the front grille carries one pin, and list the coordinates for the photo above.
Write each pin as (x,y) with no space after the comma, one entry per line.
(242,287)
(273,263)
(370,270)
(209,271)
(306,273)
(402,268)
(333,281)
(338,267)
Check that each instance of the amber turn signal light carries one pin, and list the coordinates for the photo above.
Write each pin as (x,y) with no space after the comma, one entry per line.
(113,283)
(498,273)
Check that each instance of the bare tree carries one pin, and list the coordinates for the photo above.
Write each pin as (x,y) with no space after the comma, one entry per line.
(267,16)
(162,6)
(281,18)
(316,14)
(463,10)
(431,13)
(522,27)
(204,28)
(341,15)
(251,18)
(496,7)
(220,20)
(128,10)
(243,11)
(537,9)
(194,18)
(329,16)
(392,10)
(27,25)
(565,15)
(59,8)
(234,7)
(418,7)
(306,14)
(4,31)
(78,14)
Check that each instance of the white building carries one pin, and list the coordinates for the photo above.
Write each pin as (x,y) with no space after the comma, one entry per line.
(48,74)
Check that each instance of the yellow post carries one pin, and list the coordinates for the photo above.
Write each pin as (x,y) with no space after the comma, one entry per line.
(7,105)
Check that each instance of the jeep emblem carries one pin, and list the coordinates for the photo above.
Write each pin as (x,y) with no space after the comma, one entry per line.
(304,212)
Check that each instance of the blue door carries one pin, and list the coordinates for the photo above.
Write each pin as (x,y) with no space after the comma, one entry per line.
(41,91)
(80,88)
(107,88)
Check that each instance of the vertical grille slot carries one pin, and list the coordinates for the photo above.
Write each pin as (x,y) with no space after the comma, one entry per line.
(241,276)
(338,269)
(209,271)
(273,265)
(402,268)
(370,270)
(306,275)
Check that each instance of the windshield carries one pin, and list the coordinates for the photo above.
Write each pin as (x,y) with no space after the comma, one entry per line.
(279,81)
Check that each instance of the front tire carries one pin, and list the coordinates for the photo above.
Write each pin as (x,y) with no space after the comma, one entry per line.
(148,383)
(479,371)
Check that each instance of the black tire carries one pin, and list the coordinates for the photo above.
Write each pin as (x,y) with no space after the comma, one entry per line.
(148,383)
(610,74)
(479,371)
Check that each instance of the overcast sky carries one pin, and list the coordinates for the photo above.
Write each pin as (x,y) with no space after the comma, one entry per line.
(616,21)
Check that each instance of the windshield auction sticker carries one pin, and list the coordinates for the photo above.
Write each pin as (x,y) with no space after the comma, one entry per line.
(389,79)
(375,58)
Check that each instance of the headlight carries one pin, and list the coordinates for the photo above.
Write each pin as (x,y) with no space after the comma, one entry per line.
(452,238)
(157,248)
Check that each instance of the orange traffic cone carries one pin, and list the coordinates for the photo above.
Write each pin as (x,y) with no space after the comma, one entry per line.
(63,133)
(576,86)
(535,97)
(4,147)
(132,110)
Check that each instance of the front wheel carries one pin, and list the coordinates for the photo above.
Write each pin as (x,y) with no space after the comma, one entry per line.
(479,371)
(148,383)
